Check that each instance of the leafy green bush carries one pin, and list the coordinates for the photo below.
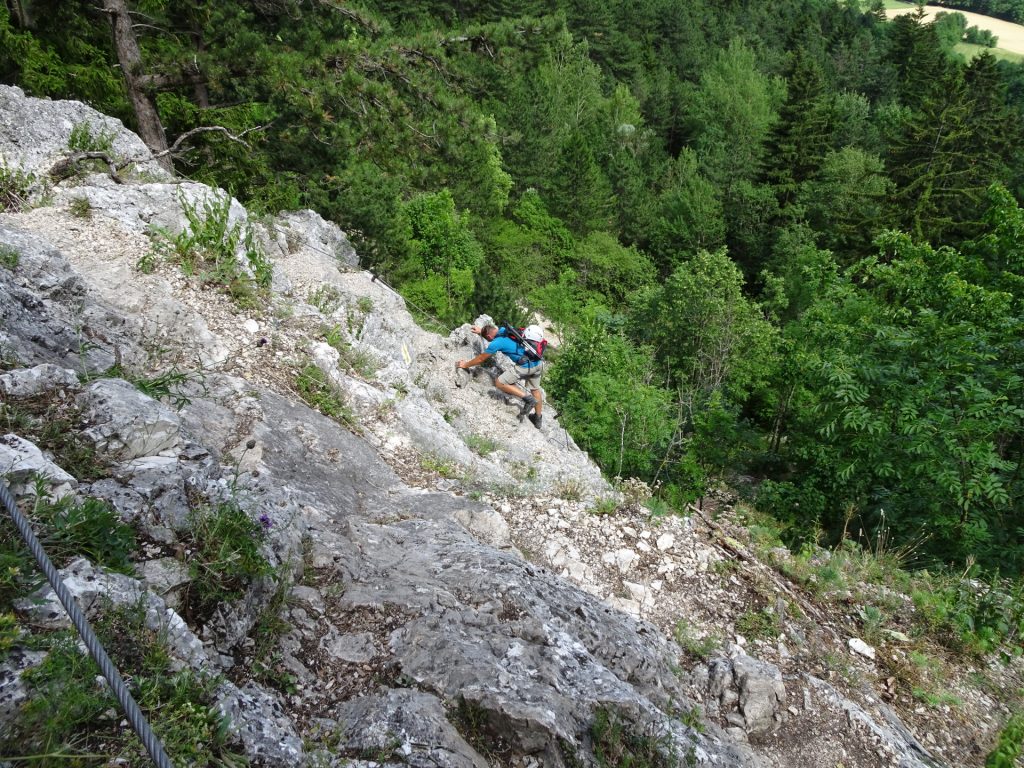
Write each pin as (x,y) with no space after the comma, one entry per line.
(225,556)
(1008,749)
(970,614)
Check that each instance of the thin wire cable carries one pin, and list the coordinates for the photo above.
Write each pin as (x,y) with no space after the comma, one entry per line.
(92,642)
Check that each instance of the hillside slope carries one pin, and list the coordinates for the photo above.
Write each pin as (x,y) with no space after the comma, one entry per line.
(462,589)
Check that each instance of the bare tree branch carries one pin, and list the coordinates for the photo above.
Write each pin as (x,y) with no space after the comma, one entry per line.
(173,149)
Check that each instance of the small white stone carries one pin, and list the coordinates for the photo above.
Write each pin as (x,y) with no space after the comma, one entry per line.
(251,326)
(860,647)
(666,541)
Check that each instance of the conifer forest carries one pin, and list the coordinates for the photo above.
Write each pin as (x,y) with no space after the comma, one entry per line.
(781,243)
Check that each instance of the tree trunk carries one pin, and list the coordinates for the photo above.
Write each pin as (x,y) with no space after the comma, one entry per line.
(130,58)
(200,92)
(19,14)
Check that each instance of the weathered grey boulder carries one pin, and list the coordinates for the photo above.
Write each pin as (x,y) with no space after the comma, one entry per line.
(762,692)
(28,382)
(127,424)
(407,726)
(745,691)
(94,589)
(293,231)
(257,719)
(21,462)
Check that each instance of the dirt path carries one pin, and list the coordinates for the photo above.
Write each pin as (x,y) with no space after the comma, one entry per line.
(1011,36)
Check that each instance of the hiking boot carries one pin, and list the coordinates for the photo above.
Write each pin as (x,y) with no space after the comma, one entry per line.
(528,404)
(535,419)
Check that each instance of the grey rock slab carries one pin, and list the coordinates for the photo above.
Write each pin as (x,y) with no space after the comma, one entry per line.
(322,464)
(28,382)
(535,653)
(404,726)
(125,423)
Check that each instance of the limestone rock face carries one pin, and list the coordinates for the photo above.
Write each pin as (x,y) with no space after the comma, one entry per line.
(394,724)
(35,140)
(29,382)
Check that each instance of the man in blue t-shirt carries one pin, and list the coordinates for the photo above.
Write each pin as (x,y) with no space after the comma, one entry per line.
(527,371)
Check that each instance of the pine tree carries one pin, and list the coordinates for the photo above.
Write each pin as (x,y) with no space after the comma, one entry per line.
(802,136)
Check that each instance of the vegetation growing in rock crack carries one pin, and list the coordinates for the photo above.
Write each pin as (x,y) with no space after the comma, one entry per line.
(225,557)
(316,389)
(620,744)
(209,249)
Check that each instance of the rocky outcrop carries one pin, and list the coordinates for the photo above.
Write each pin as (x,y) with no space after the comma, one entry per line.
(424,625)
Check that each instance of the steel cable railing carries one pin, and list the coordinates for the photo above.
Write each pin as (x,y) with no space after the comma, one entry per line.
(92,642)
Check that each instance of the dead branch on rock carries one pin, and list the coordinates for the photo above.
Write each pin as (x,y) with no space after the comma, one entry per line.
(71,165)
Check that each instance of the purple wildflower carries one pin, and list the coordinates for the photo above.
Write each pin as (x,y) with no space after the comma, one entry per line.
(266,522)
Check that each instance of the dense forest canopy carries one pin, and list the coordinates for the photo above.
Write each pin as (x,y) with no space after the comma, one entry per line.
(783,240)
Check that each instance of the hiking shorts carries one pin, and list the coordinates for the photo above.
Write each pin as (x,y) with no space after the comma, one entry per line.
(519,376)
